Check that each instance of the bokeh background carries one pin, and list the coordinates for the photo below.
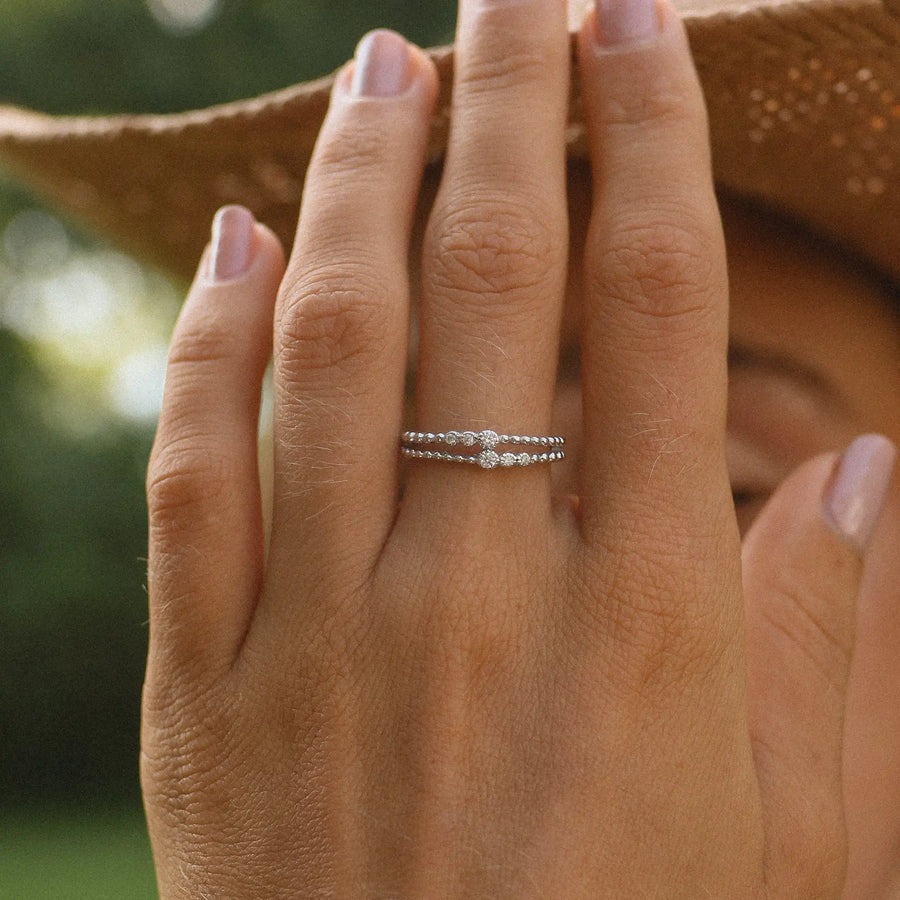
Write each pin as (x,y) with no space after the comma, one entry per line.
(83,335)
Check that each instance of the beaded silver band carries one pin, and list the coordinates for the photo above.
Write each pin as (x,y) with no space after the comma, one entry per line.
(488,441)
(487,459)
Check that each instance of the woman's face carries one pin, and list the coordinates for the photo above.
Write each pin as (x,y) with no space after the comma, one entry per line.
(814,362)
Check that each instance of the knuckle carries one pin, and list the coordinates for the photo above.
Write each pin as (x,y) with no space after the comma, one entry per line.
(665,635)
(497,72)
(478,248)
(356,146)
(184,476)
(184,750)
(475,637)
(660,650)
(660,270)
(332,319)
(205,338)
(475,617)
(661,102)
(810,858)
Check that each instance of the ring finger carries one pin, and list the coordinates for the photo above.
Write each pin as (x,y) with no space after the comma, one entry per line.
(496,250)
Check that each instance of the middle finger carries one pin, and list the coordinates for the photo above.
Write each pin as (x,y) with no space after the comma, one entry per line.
(494,264)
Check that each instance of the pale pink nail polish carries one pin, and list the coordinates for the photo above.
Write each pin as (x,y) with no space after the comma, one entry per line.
(623,22)
(854,500)
(383,65)
(232,235)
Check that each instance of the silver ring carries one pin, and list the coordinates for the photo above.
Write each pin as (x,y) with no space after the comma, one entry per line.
(489,456)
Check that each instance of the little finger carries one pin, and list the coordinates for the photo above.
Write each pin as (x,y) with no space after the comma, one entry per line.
(206,535)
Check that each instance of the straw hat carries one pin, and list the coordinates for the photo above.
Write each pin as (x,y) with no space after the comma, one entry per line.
(804,102)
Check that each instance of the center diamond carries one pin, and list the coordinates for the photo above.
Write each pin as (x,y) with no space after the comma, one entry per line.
(488,439)
(487,459)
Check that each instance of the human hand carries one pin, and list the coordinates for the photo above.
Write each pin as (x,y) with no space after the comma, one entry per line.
(489,690)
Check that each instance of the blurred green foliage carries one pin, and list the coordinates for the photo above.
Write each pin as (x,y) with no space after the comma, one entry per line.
(72,519)
(112,55)
(88,854)
(72,539)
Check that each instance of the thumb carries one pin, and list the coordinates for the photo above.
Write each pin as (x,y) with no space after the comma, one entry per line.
(802,562)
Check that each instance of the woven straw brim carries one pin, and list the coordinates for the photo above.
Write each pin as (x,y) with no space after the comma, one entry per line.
(803,97)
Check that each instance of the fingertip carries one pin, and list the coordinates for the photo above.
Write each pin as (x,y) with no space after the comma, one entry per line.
(231,244)
(425,68)
(617,24)
(239,247)
(386,67)
(268,250)
(636,54)
(856,494)
(794,511)
(614,26)
(235,264)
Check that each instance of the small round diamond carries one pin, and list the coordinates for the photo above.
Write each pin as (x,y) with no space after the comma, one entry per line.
(452,438)
(524,459)
(468,438)
(489,439)
(509,459)
(487,459)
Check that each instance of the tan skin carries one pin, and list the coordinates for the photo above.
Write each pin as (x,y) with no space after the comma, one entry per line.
(797,300)
(495,689)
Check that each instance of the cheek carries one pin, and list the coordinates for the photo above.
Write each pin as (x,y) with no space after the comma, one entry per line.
(872,748)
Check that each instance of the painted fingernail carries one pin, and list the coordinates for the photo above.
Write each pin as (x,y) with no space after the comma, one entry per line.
(232,235)
(383,65)
(623,22)
(854,500)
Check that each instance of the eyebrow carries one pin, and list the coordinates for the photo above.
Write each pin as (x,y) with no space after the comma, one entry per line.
(750,358)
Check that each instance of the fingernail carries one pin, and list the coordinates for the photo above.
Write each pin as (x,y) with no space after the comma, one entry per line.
(232,234)
(623,22)
(383,65)
(853,502)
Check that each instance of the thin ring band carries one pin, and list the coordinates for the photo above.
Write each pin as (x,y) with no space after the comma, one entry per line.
(488,440)
(487,459)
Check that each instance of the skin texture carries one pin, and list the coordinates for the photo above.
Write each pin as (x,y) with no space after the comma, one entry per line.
(521,683)
(798,299)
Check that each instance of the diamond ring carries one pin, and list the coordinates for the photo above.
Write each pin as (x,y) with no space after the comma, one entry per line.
(489,457)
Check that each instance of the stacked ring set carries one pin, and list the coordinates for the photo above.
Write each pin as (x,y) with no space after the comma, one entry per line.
(490,447)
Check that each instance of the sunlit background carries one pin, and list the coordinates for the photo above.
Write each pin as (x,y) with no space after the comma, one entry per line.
(99,319)
(83,337)
(183,16)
